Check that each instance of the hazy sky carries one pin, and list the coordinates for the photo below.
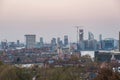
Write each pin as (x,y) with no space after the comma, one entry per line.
(52,18)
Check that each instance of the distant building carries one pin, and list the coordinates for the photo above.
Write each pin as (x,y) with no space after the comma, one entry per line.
(81,35)
(81,40)
(103,56)
(100,37)
(65,40)
(41,39)
(18,43)
(53,44)
(4,45)
(86,45)
(12,45)
(41,42)
(92,44)
(100,41)
(81,45)
(90,36)
(109,44)
(58,40)
(53,41)
(30,41)
(61,43)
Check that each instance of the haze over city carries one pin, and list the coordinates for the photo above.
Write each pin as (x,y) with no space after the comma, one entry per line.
(59,39)
(56,18)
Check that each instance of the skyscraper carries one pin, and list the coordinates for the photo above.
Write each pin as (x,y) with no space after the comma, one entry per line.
(58,40)
(4,44)
(91,41)
(30,41)
(18,43)
(65,40)
(53,41)
(41,43)
(100,37)
(81,35)
(81,40)
(90,36)
(100,40)
(41,40)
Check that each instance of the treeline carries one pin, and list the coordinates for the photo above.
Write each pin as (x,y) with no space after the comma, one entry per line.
(63,73)
(107,74)
(10,72)
(76,73)
(86,71)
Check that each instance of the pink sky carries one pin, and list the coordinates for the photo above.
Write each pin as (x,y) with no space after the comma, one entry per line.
(52,18)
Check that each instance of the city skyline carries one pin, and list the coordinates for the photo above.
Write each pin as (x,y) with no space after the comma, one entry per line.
(57,18)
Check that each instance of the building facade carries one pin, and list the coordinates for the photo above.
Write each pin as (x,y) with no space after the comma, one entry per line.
(81,35)
(30,41)
(90,36)
(65,40)
(109,44)
(103,56)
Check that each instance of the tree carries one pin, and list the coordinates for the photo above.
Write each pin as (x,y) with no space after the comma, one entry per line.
(1,63)
(107,74)
(10,72)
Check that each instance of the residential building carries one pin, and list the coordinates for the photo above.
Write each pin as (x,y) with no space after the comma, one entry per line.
(30,41)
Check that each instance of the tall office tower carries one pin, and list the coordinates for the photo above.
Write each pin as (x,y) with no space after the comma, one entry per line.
(4,44)
(90,36)
(119,41)
(100,37)
(100,40)
(81,39)
(53,41)
(41,40)
(41,43)
(58,40)
(81,35)
(65,40)
(18,43)
(92,44)
(30,41)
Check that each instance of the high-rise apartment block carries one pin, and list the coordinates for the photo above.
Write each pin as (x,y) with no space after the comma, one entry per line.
(65,40)
(4,44)
(81,35)
(41,40)
(30,41)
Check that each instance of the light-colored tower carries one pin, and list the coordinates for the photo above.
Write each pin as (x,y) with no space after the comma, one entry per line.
(30,41)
